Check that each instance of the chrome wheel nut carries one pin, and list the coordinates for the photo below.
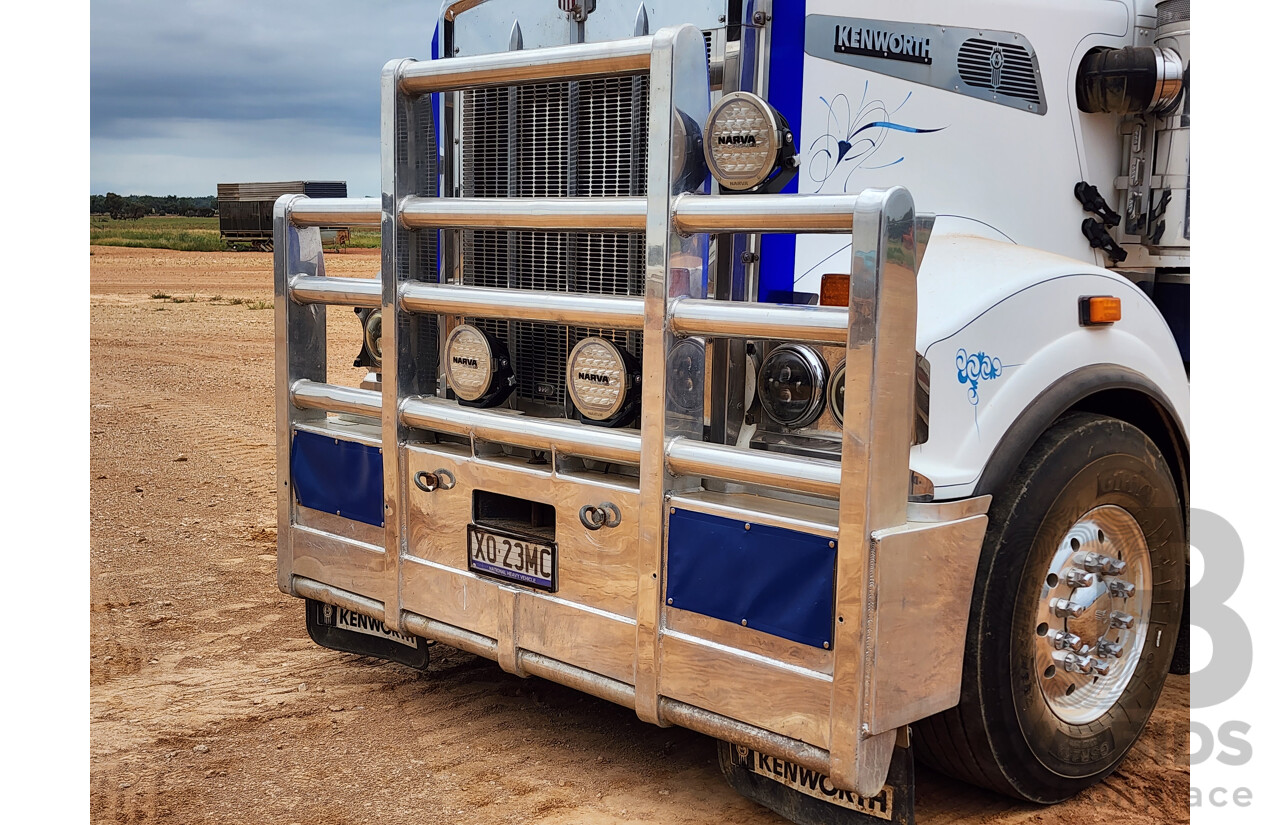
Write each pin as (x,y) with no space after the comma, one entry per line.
(1121,589)
(1075,577)
(1107,649)
(1064,639)
(1066,609)
(1121,620)
(1074,662)
(1098,563)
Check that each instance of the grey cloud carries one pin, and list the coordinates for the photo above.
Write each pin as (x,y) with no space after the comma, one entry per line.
(257,87)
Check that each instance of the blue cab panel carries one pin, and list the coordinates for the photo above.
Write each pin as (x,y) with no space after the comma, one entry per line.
(782,582)
(339,477)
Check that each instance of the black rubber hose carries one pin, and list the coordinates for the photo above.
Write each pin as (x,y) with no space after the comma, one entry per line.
(1118,81)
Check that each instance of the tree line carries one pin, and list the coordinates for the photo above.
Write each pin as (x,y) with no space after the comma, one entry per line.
(132,207)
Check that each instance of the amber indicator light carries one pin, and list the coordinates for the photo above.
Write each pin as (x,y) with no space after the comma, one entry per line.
(1096,310)
(835,290)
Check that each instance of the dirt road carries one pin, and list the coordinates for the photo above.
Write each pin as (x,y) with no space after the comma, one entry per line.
(210,704)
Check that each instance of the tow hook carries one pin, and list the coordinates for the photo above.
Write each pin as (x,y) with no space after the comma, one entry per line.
(604,514)
(430,482)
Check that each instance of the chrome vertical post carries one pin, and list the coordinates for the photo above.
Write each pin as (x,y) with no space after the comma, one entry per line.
(300,349)
(874,468)
(678,83)
(395,180)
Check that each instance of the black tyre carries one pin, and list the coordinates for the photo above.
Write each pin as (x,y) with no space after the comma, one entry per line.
(1067,652)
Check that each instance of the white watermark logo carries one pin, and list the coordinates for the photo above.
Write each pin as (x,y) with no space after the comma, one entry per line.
(1227,671)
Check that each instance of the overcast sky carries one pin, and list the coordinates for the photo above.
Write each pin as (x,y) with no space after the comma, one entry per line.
(186,94)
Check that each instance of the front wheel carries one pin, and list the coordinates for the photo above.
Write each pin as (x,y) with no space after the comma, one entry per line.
(1075,615)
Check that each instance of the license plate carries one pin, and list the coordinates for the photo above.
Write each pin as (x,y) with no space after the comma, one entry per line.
(347,620)
(812,783)
(511,556)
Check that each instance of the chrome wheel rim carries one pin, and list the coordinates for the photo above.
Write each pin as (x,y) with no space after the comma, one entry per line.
(1092,616)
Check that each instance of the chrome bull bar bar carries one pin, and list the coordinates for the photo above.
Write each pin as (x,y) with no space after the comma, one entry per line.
(684,457)
(691,214)
(336,212)
(870,486)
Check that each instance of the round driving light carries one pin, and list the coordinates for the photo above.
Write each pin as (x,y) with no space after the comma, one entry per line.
(792,385)
(477,367)
(373,337)
(686,380)
(835,394)
(746,141)
(602,380)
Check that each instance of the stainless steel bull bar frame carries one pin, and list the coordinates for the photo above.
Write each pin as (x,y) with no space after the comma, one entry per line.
(864,695)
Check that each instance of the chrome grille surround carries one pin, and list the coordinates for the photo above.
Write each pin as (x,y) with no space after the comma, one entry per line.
(548,140)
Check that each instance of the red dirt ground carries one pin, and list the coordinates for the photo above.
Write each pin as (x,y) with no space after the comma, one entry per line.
(210,704)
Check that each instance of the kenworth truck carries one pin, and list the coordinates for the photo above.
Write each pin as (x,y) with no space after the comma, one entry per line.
(813,375)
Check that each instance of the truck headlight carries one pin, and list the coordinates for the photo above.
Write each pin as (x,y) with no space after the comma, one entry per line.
(370,356)
(602,380)
(792,384)
(477,367)
(835,394)
(746,142)
(687,170)
(686,381)
(373,337)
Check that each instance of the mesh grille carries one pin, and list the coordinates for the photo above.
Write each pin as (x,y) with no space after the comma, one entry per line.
(1001,67)
(550,140)
(1172,11)
(416,251)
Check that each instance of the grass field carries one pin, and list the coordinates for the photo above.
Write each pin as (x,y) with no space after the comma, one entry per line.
(365,239)
(185,234)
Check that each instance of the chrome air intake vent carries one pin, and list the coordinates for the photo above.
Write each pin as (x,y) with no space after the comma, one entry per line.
(553,140)
(1004,68)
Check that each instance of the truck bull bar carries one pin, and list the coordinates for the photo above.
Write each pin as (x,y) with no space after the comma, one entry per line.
(903,572)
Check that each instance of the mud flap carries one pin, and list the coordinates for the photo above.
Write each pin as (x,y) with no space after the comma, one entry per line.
(323,630)
(808,798)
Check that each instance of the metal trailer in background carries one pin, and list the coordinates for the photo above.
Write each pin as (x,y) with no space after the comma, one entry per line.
(245,211)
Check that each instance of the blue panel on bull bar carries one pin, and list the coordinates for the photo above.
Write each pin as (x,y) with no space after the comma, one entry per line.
(339,477)
(774,580)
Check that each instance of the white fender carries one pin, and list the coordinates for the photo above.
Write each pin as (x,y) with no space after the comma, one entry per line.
(999,324)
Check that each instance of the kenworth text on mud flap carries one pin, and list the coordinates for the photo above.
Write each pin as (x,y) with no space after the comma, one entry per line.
(817,382)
